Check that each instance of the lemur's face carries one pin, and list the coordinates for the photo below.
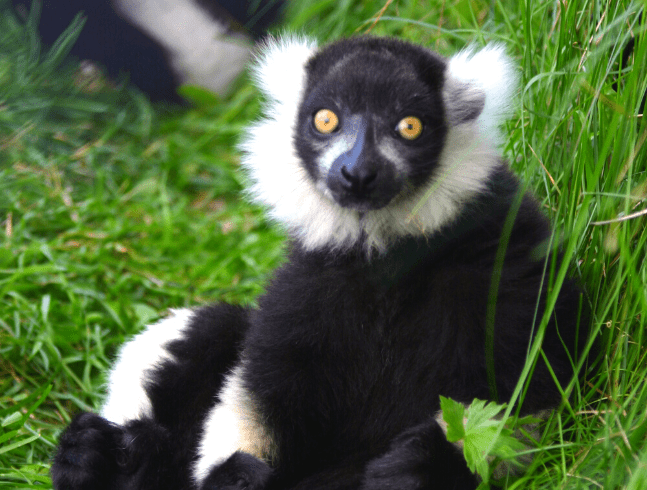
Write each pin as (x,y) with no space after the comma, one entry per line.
(368,140)
(371,125)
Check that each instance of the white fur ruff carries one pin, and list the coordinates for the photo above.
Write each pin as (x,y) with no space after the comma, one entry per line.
(281,182)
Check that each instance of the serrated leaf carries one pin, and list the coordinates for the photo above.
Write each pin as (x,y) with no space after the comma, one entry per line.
(453,414)
(475,458)
(481,414)
(484,439)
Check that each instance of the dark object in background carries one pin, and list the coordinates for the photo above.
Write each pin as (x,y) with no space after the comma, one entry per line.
(626,54)
(629,48)
(253,16)
(162,44)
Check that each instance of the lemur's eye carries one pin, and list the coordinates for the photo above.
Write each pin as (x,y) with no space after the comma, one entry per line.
(326,121)
(410,127)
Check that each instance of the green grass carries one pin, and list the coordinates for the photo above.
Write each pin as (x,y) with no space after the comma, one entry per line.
(113,210)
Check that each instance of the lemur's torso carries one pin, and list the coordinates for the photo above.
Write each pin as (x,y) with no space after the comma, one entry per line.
(409,325)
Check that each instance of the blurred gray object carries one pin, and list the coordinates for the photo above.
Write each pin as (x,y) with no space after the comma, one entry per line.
(161,44)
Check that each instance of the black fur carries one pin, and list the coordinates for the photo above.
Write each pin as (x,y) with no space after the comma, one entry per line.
(408,327)
(348,352)
(89,455)
(111,41)
(420,458)
(240,472)
(156,453)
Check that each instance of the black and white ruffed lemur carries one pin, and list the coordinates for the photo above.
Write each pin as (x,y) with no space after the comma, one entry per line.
(382,160)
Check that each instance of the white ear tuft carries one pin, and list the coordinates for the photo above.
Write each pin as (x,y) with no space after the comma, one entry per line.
(489,70)
(279,68)
(280,181)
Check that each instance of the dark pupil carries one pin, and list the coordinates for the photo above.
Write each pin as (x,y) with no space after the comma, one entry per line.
(409,126)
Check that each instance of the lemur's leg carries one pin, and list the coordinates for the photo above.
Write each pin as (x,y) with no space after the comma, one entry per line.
(163,385)
(420,458)
(235,445)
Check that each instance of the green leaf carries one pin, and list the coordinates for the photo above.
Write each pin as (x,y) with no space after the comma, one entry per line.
(483,441)
(481,414)
(453,413)
(63,45)
(639,478)
(144,313)
(475,447)
(44,306)
(8,435)
(22,442)
(12,419)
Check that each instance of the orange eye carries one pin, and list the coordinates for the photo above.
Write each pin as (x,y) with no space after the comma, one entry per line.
(326,121)
(410,127)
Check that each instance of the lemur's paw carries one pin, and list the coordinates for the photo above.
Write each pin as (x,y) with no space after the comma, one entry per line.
(90,454)
(392,472)
(240,472)
(420,459)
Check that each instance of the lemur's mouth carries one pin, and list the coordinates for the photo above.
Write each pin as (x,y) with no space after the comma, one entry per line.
(361,203)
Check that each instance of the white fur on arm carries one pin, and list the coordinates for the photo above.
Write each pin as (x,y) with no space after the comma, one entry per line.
(126,395)
(233,424)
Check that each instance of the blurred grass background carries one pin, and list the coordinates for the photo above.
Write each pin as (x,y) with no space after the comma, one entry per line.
(113,210)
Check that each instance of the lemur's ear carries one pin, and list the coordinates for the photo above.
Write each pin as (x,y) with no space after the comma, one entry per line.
(464,102)
(480,85)
(279,69)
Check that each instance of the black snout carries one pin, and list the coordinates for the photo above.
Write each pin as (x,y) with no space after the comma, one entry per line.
(359,180)
(363,184)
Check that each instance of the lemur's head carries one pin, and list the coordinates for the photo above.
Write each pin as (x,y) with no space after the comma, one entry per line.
(373,138)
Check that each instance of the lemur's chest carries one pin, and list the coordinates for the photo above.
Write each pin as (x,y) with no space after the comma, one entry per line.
(356,376)
(350,361)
